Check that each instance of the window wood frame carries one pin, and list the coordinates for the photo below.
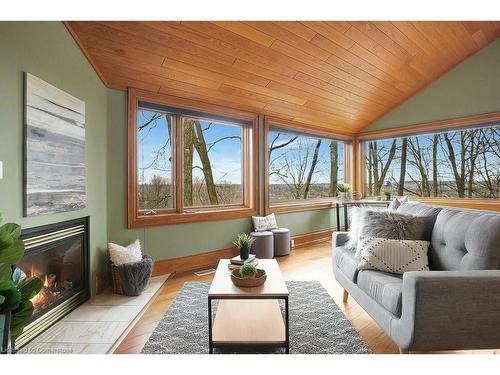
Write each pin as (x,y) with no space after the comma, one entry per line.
(439,126)
(309,204)
(180,214)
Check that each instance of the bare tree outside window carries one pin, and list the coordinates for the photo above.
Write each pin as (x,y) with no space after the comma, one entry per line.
(460,163)
(212,163)
(303,167)
(154,160)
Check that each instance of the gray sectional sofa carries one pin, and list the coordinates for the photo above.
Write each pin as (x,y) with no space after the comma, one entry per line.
(455,305)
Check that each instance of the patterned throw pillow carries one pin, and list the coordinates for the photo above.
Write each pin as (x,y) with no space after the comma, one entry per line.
(261,224)
(125,254)
(394,256)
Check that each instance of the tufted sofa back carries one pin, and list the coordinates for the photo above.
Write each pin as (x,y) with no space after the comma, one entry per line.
(465,240)
(428,212)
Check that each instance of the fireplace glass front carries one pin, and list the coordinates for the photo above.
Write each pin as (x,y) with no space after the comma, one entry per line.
(58,255)
(61,269)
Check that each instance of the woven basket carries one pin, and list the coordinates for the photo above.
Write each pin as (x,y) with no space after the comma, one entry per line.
(116,279)
(247,282)
(130,279)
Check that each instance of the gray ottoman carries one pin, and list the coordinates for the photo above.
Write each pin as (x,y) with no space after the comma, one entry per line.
(263,245)
(281,241)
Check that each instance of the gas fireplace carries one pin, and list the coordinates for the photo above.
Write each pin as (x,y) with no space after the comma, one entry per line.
(58,254)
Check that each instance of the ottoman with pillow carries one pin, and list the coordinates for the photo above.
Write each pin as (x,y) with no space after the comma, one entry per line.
(433,286)
(280,238)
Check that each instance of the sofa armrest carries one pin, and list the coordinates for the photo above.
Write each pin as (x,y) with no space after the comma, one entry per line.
(339,238)
(451,310)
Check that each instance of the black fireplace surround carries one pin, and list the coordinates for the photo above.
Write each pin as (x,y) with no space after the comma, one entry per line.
(58,254)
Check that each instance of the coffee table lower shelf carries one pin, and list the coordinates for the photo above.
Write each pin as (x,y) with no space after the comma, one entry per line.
(249,323)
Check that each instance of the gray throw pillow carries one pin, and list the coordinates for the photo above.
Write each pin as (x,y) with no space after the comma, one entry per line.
(428,213)
(392,225)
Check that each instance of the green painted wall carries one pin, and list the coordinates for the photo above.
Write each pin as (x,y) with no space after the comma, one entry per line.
(171,241)
(47,50)
(471,88)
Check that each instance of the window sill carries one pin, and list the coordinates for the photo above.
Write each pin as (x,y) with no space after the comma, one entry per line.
(287,207)
(477,204)
(471,203)
(190,217)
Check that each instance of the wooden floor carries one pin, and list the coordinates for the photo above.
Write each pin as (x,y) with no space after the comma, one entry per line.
(307,263)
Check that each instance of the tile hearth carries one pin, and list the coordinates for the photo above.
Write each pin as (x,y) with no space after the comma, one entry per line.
(97,326)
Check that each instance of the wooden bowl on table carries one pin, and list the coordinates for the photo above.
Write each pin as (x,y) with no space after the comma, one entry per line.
(248,282)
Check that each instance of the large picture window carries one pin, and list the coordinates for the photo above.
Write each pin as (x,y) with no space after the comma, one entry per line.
(462,163)
(303,168)
(188,164)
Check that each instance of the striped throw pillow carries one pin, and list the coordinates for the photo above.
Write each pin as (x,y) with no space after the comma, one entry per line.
(394,256)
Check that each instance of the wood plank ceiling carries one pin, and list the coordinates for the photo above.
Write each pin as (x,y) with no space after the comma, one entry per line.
(339,76)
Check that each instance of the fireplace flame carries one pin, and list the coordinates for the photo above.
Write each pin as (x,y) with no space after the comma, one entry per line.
(41,296)
(37,299)
(52,289)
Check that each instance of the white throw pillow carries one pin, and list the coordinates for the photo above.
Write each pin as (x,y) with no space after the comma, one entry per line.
(261,224)
(393,206)
(355,215)
(125,254)
(395,256)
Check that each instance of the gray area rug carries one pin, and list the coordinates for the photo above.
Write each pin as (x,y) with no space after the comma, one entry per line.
(317,326)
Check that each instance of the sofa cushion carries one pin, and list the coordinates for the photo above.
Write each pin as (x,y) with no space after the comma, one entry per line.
(465,240)
(419,209)
(424,211)
(385,288)
(346,262)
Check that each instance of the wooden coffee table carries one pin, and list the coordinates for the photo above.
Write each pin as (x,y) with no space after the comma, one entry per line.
(248,317)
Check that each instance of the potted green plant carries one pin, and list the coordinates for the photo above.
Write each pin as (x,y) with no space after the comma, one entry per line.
(387,190)
(248,271)
(387,194)
(16,290)
(344,190)
(244,243)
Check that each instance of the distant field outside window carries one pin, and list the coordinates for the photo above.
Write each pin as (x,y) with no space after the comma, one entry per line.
(212,163)
(455,164)
(154,160)
(303,167)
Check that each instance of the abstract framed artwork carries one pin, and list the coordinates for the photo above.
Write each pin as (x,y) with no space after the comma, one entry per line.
(54,172)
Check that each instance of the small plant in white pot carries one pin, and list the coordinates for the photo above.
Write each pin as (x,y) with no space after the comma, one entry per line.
(344,192)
